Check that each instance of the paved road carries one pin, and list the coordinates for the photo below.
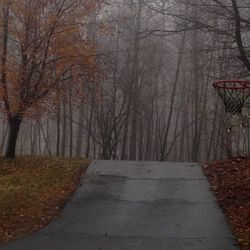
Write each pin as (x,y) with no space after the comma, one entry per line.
(137,206)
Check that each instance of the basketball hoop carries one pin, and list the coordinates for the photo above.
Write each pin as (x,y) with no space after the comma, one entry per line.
(234,94)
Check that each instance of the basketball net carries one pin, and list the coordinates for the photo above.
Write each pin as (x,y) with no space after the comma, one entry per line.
(234,94)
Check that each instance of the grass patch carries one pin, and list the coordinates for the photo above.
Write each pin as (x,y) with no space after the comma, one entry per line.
(230,181)
(33,191)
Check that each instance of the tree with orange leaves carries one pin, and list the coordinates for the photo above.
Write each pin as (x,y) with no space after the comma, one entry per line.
(44,46)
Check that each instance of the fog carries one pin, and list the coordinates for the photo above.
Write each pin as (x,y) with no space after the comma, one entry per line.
(151,96)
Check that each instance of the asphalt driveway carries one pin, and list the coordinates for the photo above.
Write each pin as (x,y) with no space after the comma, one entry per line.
(124,205)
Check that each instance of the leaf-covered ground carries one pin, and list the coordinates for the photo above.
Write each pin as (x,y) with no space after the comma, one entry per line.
(33,191)
(230,180)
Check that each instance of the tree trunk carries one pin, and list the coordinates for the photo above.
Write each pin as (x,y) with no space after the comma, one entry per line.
(78,150)
(87,151)
(125,133)
(238,35)
(173,96)
(58,127)
(58,134)
(70,122)
(64,132)
(196,87)
(4,135)
(14,127)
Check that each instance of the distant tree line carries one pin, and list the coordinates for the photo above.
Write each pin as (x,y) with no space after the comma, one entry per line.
(142,87)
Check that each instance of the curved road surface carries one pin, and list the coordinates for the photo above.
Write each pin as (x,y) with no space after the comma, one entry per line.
(137,206)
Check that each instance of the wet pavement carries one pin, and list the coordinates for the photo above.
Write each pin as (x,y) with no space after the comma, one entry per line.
(123,205)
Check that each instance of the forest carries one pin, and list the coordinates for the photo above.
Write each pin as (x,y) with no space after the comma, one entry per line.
(121,79)
(125,124)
